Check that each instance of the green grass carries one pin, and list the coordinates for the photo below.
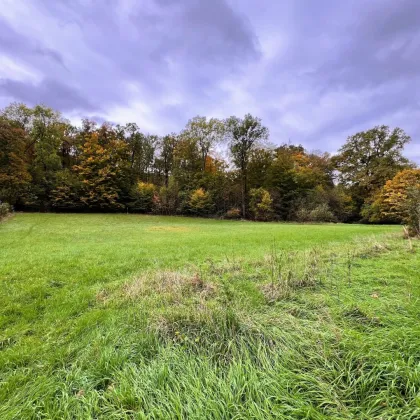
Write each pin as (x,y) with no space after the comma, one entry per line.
(123,316)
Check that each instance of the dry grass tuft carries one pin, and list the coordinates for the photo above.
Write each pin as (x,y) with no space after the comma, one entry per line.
(273,292)
(102,296)
(172,284)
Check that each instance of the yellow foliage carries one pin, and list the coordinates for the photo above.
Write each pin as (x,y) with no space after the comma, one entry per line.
(394,193)
(146,187)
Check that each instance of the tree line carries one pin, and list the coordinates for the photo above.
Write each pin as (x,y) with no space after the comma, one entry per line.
(47,164)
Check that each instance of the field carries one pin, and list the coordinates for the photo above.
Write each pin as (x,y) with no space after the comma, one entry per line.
(135,317)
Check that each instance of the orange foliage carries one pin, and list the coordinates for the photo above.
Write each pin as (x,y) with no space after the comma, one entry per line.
(394,193)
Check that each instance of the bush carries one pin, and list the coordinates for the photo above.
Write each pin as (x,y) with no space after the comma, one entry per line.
(303,215)
(261,204)
(233,213)
(324,202)
(411,208)
(166,199)
(396,201)
(200,203)
(142,196)
(5,209)
(320,213)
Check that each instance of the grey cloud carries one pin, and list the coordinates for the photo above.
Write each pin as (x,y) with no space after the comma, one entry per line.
(15,43)
(99,120)
(381,48)
(158,38)
(368,50)
(285,61)
(381,103)
(210,32)
(49,92)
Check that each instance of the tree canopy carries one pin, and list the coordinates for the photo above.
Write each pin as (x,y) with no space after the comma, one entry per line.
(47,164)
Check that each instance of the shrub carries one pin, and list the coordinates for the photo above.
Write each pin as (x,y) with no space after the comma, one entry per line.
(5,209)
(394,202)
(142,196)
(320,213)
(303,215)
(325,204)
(261,204)
(411,210)
(233,213)
(200,203)
(166,199)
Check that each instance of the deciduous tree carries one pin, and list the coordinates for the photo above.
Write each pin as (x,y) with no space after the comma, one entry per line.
(261,204)
(369,158)
(207,133)
(244,136)
(14,166)
(390,202)
(100,169)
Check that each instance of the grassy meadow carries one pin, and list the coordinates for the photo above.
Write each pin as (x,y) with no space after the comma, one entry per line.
(116,316)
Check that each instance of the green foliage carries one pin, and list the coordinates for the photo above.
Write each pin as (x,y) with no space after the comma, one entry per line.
(320,213)
(46,134)
(206,134)
(260,163)
(244,136)
(411,210)
(165,162)
(166,201)
(66,195)
(40,153)
(295,175)
(369,159)
(14,167)
(19,115)
(324,204)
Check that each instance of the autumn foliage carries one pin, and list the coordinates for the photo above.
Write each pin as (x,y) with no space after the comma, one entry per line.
(223,168)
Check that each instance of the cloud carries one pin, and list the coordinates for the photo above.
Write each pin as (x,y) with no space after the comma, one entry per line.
(315,72)
(49,92)
(12,42)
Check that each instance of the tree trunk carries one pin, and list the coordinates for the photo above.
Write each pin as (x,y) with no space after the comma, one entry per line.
(204,158)
(244,191)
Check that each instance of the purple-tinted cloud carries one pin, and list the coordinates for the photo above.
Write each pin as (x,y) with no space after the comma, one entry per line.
(315,72)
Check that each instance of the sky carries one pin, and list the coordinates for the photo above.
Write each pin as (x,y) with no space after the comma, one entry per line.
(314,71)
